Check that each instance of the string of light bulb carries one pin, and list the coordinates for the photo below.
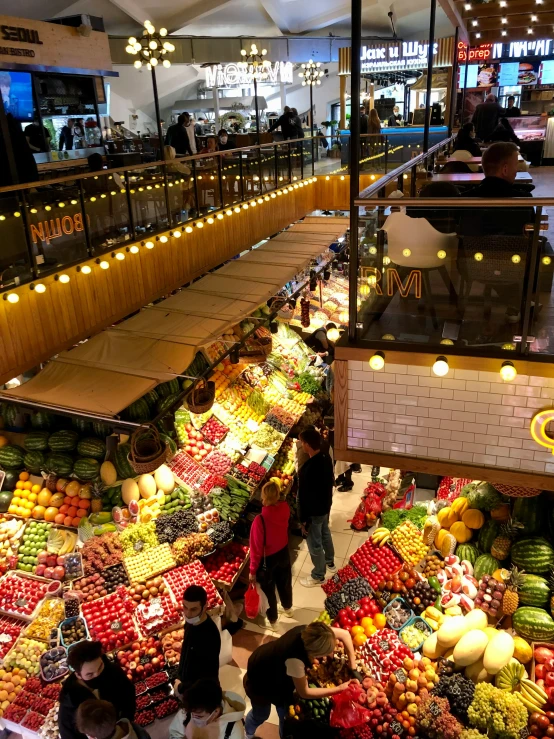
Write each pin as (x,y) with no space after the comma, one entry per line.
(311,73)
(440,366)
(151,48)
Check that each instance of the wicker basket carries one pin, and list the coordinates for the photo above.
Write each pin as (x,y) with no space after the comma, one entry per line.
(148,450)
(516,491)
(256,348)
(202,397)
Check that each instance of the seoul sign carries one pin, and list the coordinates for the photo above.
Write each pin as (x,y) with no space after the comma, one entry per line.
(228,75)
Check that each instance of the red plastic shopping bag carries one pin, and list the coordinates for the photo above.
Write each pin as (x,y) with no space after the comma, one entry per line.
(347,712)
(252,601)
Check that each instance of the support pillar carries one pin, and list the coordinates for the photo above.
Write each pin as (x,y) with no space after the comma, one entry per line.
(342,99)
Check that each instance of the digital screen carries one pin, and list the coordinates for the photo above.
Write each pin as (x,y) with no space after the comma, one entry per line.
(547,74)
(17,94)
(472,70)
(528,74)
(487,75)
(509,74)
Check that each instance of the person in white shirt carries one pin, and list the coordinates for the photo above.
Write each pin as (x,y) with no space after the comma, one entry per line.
(209,713)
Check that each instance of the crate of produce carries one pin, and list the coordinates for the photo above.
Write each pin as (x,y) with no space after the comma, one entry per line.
(73,630)
(118,630)
(21,595)
(53,664)
(187,470)
(268,439)
(375,563)
(101,552)
(214,431)
(193,573)
(10,629)
(150,563)
(49,617)
(232,500)
(158,614)
(99,584)
(414,633)
(398,613)
(25,654)
(141,660)
(226,565)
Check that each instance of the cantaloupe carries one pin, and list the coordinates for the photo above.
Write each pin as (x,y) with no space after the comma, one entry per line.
(499,652)
(164,479)
(477,673)
(147,486)
(476,619)
(431,648)
(470,648)
(129,490)
(451,631)
(108,473)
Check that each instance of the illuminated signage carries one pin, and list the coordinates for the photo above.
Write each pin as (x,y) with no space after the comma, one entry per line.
(538,428)
(476,53)
(512,50)
(228,75)
(392,282)
(540,47)
(56,227)
(401,55)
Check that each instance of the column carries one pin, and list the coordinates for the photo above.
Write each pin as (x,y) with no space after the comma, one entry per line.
(283,93)
(216,105)
(342,97)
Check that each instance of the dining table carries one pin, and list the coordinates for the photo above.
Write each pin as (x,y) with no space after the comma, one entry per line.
(474,178)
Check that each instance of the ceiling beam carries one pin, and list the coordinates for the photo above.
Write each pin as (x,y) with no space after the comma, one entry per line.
(489,10)
(455,17)
(522,20)
(193,12)
(134,11)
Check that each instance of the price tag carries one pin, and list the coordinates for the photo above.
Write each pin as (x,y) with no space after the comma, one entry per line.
(401,675)
(385,646)
(144,660)
(138,546)
(524,733)
(385,596)
(373,568)
(5,638)
(434,709)
(116,626)
(455,689)
(396,727)
(21,602)
(421,626)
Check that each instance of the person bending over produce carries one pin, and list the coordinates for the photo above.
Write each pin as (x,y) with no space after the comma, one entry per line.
(94,676)
(276,669)
(97,719)
(201,642)
(209,713)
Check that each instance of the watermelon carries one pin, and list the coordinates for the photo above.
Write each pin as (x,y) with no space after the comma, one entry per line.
(86,469)
(36,441)
(5,500)
(11,456)
(168,388)
(534,591)
(469,552)
(12,476)
(138,411)
(534,624)
(34,462)
(81,425)
(124,469)
(533,555)
(91,447)
(42,421)
(485,564)
(63,441)
(151,398)
(170,441)
(59,464)
(101,429)
(9,414)
(164,403)
(488,533)
(530,513)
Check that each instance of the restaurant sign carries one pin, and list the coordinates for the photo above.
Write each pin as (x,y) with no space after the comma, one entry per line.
(396,56)
(241,73)
(512,50)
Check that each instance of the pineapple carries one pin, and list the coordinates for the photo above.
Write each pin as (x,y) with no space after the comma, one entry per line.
(97,491)
(551,583)
(503,543)
(510,600)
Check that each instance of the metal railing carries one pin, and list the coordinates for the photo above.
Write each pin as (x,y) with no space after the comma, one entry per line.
(459,275)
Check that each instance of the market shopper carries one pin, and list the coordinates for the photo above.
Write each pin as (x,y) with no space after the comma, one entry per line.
(94,676)
(179,138)
(269,551)
(277,669)
(209,713)
(315,496)
(97,719)
(201,641)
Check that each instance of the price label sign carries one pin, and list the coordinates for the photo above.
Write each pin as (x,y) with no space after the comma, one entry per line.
(385,646)
(144,660)
(138,546)
(21,602)
(401,675)
(455,689)
(524,733)
(116,626)
(396,727)
(434,709)
(421,626)
(373,567)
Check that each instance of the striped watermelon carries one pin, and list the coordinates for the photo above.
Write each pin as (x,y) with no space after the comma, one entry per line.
(36,441)
(168,388)
(529,512)
(42,421)
(34,462)
(81,425)
(124,469)
(86,469)
(469,552)
(11,456)
(91,447)
(170,441)
(164,403)
(534,624)
(485,564)
(63,441)
(534,591)
(138,411)
(151,398)
(488,533)
(101,429)
(533,555)
(9,414)
(59,464)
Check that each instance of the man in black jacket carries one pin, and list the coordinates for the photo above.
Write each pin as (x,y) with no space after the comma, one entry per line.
(94,676)
(201,642)
(486,117)
(177,136)
(315,495)
(288,129)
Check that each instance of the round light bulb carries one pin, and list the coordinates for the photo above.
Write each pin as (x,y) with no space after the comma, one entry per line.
(441,254)
(86,270)
(220,216)
(188,229)
(166,63)
(516,259)
(546,260)
(508,372)
(132,40)
(64,278)
(406,252)
(199,224)
(163,239)
(12,298)
(40,288)
(120,256)
(104,264)
(134,249)
(210,220)
(478,256)
(177,234)
(163,31)
(137,64)
(440,367)
(154,62)
(149,245)
(377,361)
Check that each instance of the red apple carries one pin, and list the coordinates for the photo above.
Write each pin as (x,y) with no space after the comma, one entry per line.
(49,572)
(40,570)
(42,558)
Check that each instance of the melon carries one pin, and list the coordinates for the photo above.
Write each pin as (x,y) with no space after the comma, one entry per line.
(44,497)
(147,486)
(470,648)
(164,479)
(477,673)
(451,631)
(129,491)
(108,474)
(499,652)
(476,619)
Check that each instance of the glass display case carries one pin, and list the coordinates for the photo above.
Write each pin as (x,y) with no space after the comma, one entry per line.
(530,127)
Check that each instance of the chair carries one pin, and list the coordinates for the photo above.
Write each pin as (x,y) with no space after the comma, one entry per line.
(413,243)
(461,155)
(496,268)
(456,168)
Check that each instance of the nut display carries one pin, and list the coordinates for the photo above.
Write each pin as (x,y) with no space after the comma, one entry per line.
(73,630)
(397,614)
(187,548)
(146,591)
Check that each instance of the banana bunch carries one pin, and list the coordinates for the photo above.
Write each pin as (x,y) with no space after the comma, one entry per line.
(532,696)
(61,541)
(380,536)
(510,677)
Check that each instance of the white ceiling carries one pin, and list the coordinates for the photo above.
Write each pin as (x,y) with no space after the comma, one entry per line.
(242,17)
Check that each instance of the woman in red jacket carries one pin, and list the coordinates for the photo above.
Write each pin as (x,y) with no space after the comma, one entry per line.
(269,551)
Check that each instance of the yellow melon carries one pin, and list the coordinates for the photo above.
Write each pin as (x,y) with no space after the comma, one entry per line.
(129,490)
(44,497)
(38,512)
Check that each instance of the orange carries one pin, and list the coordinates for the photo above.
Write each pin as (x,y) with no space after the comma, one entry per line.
(72,511)
(380,620)
(84,504)
(23,476)
(357,630)
(75,522)
(59,518)
(366,622)
(371,630)
(359,639)
(19,485)
(67,521)
(36,489)
(80,513)
(27,485)
(50,514)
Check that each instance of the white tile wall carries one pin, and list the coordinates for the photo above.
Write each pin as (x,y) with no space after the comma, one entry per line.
(468,416)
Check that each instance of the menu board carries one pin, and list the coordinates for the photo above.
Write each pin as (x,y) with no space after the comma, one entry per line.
(547,72)
(528,74)
(487,75)
(471,80)
(509,73)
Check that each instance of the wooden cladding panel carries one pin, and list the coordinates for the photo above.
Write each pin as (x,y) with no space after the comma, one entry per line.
(41,325)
